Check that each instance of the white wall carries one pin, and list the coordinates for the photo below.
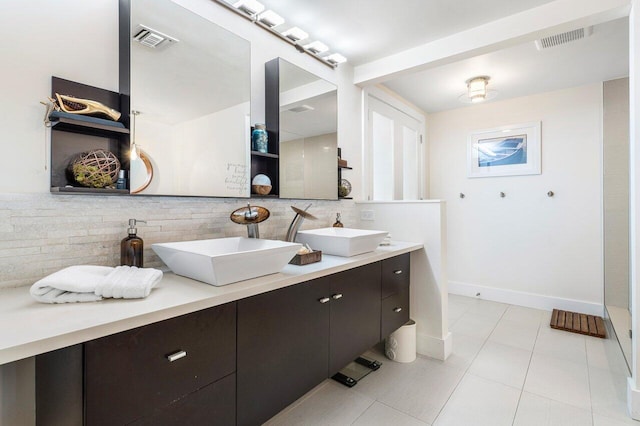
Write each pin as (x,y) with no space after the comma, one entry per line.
(76,40)
(420,222)
(527,247)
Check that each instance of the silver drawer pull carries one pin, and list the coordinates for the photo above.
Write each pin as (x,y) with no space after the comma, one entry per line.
(337,296)
(324,300)
(396,310)
(398,272)
(176,356)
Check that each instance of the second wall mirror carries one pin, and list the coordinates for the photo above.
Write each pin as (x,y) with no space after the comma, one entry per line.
(302,117)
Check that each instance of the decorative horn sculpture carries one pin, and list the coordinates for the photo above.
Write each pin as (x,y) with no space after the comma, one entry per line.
(72,105)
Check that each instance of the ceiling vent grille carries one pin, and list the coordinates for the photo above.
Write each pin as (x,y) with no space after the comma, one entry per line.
(152,38)
(563,38)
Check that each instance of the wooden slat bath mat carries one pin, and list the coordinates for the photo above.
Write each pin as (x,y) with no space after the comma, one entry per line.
(578,323)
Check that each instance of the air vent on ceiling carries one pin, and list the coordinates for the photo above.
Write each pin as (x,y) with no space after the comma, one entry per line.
(563,38)
(152,38)
(301,108)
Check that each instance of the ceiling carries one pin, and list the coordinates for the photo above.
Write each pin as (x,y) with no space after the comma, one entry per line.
(364,31)
(523,70)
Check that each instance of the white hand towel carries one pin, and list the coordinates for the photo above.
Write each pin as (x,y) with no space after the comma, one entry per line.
(128,282)
(72,284)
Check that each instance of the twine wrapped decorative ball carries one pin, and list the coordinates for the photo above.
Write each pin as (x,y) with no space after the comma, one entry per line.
(95,169)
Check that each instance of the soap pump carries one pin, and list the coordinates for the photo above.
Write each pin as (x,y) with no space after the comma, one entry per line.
(338,224)
(131,247)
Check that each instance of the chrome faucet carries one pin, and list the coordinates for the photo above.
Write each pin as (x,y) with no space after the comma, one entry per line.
(251,217)
(300,216)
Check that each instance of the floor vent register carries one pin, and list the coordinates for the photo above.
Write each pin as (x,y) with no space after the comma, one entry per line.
(578,323)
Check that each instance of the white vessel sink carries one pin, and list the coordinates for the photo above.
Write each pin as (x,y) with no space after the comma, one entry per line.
(224,261)
(345,242)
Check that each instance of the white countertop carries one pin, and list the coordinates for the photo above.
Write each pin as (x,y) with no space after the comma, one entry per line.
(29,328)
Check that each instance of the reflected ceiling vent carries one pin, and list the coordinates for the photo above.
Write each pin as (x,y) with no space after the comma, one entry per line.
(301,108)
(563,38)
(152,38)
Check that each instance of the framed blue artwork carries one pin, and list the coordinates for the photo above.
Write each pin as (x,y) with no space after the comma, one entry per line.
(505,151)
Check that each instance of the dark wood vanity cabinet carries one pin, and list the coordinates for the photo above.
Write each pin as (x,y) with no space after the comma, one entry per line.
(355,314)
(290,340)
(239,363)
(395,294)
(147,375)
(283,348)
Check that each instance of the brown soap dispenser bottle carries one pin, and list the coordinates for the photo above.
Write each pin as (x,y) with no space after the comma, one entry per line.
(132,247)
(338,224)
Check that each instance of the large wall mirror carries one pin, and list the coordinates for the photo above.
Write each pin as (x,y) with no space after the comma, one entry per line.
(307,124)
(193,97)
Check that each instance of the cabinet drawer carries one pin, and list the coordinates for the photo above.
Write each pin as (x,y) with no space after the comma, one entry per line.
(395,312)
(395,274)
(213,405)
(129,374)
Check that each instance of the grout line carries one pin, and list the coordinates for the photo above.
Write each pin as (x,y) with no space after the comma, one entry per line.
(515,414)
(373,401)
(466,371)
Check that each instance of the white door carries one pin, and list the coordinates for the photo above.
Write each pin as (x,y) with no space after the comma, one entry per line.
(395,153)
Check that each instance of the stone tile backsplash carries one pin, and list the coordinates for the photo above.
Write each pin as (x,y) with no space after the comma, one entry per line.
(43,233)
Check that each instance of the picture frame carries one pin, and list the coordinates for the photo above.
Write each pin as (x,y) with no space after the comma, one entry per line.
(511,150)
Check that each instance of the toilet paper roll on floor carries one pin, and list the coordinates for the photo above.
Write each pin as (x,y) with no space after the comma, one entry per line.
(400,346)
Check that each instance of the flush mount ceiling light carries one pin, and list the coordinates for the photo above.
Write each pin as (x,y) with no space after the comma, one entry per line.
(295,34)
(477,90)
(317,47)
(270,19)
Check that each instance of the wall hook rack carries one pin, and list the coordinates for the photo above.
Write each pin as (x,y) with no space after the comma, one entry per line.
(502,194)
(550,194)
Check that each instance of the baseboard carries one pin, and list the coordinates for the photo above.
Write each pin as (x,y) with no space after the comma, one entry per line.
(633,399)
(433,347)
(520,298)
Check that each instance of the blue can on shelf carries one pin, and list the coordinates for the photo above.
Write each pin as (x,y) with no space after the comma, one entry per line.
(259,139)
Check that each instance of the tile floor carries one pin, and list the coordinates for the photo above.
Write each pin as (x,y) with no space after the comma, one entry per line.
(507,368)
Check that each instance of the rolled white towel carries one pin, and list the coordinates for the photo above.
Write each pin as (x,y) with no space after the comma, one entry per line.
(72,284)
(128,282)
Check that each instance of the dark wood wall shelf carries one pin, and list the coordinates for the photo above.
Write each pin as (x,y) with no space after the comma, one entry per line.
(269,163)
(85,127)
(71,136)
(264,154)
(85,190)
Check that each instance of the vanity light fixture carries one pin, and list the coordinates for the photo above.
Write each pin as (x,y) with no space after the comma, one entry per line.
(317,47)
(250,7)
(270,19)
(133,155)
(335,58)
(295,34)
